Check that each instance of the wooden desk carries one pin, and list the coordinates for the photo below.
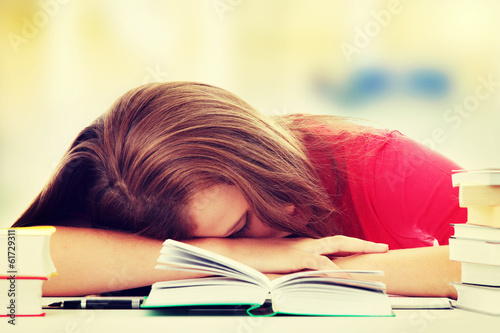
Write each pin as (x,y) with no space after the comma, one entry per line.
(145,321)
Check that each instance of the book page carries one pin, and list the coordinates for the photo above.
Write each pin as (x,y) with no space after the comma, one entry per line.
(401,302)
(180,256)
(341,276)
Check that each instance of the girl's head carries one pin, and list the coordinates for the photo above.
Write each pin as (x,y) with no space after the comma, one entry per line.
(165,151)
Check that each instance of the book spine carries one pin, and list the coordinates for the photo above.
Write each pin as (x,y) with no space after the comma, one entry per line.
(28,264)
(474,195)
(478,255)
(479,192)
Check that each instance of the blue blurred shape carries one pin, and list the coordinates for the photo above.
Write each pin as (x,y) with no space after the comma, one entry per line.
(368,85)
(428,83)
(361,87)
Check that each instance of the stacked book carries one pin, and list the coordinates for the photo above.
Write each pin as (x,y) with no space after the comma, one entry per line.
(476,244)
(25,264)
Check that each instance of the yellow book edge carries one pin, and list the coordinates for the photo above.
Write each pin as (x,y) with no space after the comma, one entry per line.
(29,231)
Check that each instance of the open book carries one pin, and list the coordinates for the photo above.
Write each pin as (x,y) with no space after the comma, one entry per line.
(230,282)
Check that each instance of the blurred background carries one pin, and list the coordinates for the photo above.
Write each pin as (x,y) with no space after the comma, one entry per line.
(427,68)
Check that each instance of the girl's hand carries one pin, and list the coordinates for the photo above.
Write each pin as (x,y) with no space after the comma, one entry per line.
(284,255)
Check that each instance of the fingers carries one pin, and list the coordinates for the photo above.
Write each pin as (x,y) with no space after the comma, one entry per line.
(319,262)
(341,245)
(336,244)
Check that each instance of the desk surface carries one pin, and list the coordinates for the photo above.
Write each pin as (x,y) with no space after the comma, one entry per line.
(81,321)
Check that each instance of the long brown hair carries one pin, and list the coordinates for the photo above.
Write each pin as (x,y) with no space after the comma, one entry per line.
(136,167)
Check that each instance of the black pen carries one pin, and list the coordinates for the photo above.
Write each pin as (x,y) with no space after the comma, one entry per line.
(98,304)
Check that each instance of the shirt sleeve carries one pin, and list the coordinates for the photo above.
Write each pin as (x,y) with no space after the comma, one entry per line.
(412,195)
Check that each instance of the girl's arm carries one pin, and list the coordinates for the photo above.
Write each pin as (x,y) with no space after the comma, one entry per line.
(425,271)
(91,261)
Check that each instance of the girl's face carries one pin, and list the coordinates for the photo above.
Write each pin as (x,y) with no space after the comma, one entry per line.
(223,211)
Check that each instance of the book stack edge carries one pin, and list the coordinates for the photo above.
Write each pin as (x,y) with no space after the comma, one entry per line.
(476,244)
(26,265)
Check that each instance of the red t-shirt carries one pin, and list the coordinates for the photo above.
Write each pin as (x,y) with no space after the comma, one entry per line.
(396,191)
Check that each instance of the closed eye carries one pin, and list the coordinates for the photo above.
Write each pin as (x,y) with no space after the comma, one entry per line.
(244,228)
